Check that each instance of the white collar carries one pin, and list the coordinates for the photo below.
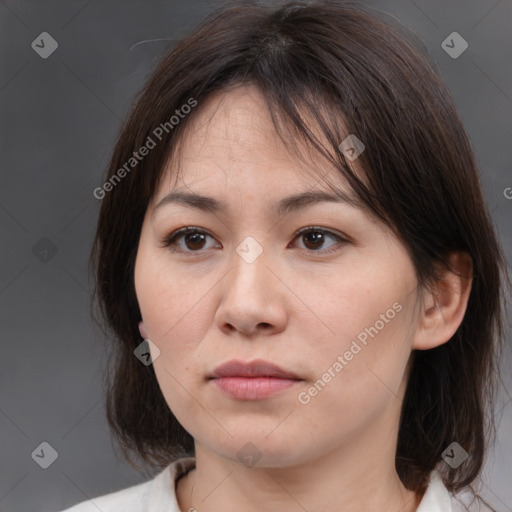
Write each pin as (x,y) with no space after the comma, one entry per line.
(436,497)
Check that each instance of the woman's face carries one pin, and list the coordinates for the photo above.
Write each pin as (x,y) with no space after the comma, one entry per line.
(336,307)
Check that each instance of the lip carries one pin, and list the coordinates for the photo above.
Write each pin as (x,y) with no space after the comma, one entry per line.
(253,380)
(256,368)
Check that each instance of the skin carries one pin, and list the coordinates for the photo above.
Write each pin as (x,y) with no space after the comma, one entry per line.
(296,306)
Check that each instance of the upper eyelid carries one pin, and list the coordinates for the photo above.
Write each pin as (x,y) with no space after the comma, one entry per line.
(329,231)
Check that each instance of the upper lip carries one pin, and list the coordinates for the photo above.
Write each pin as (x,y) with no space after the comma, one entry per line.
(256,368)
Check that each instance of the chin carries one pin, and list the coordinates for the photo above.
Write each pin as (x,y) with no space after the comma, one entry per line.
(262,452)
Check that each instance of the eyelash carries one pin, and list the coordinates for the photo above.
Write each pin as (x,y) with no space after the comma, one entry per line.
(171,240)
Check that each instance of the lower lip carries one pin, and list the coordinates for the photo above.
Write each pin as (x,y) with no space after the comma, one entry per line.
(253,388)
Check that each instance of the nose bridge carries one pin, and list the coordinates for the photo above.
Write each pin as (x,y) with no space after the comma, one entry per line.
(249,264)
(248,298)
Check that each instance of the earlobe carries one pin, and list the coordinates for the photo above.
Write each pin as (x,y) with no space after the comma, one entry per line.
(142,330)
(445,304)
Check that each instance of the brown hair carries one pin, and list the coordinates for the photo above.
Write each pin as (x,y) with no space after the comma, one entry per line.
(327,61)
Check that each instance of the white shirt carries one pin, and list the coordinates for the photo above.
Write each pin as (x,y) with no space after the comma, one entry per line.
(159,494)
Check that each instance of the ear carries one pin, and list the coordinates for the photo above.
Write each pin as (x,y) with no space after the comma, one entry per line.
(445,303)
(142,330)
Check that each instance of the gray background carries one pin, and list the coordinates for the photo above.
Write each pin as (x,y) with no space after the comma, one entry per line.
(59,120)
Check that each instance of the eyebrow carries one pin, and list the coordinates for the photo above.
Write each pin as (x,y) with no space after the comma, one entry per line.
(280,208)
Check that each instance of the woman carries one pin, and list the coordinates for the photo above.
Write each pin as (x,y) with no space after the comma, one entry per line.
(299,271)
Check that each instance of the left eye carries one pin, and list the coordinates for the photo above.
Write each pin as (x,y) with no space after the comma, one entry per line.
(315,238)
(194,239)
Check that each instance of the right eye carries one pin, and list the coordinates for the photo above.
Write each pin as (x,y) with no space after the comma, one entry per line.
(188,239)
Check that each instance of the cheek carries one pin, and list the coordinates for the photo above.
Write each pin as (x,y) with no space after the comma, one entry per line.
(169,300)
(176,320)
(365,308)
(370,314)
(358,375)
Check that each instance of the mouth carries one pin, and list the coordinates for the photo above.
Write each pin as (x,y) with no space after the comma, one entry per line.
(255,380)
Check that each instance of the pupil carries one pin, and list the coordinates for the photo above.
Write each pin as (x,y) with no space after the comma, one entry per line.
(196,238)
(317,237)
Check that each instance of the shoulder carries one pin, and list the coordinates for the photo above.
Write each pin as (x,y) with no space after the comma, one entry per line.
(150,495)
(132,498)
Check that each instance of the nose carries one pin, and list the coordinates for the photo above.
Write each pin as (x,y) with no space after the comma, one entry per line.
(253,299)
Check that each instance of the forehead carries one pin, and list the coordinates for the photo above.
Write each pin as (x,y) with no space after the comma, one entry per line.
(232,144)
